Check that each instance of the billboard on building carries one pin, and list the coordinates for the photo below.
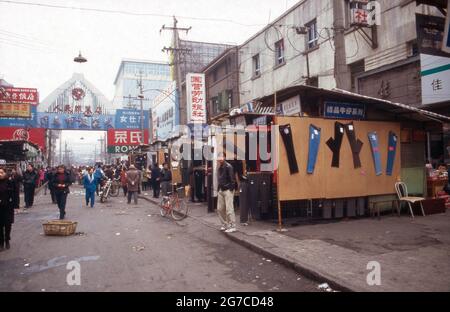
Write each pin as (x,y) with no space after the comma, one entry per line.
(19,96)
(33,135)
(131,119)
(22,110)
(196,98)
(435,71)
(164,115)
(74,121)
(29,122)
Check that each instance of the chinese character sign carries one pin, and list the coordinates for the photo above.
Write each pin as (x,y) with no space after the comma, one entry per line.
(74,121)
(12,110)
(337,110)
(19,96)
(435,72)
(196,98)
(121,141)
(131,119)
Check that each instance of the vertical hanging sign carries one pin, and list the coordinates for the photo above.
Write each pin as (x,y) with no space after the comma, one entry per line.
(196,98)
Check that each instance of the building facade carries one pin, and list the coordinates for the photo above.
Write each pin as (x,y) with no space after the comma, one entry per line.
(222,85)
(155,78)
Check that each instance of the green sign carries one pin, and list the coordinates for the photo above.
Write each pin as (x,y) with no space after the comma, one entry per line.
(122,149)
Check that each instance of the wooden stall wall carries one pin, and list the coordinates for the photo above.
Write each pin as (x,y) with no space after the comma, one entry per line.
(342,182)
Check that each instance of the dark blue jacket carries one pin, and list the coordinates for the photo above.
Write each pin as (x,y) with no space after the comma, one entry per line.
(88,184)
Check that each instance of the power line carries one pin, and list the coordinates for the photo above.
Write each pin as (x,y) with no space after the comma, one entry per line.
(54,6)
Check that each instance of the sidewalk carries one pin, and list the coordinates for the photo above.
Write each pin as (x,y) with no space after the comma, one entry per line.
(414,254)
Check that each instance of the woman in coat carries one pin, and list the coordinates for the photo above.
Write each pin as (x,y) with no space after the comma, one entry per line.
(7,192)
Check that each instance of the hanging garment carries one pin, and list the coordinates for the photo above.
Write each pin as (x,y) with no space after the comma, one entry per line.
(336,143)
(355,144)
(392,150)
(286,135)
(314,143)
(374,144)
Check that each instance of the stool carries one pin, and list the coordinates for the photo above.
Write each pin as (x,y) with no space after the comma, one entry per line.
(376,208)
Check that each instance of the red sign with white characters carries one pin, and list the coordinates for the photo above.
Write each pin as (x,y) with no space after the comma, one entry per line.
(33,135)
(126,137)
(196,98)
(19,96)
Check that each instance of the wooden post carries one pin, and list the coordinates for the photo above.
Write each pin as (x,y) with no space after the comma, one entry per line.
(277,152)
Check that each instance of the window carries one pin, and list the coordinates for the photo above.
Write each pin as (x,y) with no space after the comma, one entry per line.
(279,52)
(313,35)
(256,66)
(215,75)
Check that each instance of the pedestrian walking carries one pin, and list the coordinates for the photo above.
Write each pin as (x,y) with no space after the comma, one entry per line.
(100,176)
(226,187)
(156,177)
(133,181)
(123,180)
(50,177)
(61,183)
(166,180)
(16,179)
(144,179)
(30,179)
(90,185)
(7,190)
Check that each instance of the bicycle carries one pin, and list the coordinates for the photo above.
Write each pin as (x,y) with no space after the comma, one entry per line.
(175,205)
(105,191)
(115,188)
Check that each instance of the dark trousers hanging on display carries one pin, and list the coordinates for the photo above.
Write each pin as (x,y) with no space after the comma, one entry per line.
(286,135)
(392,150)
(374,144)
(355,144)
(243,201)
(336,143)
(314,143)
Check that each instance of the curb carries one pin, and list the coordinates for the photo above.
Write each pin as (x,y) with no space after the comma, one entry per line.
(299,268)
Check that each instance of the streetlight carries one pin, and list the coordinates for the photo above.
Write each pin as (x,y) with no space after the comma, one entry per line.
(80,59)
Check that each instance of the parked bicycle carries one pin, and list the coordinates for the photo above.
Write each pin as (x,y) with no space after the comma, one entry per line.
(175,205)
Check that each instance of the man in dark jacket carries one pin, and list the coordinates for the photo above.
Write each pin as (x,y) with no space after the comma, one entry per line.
(133,181)
(166,180)
(7,191)
(30,179)
(226,187)
(61,183)
(156,179)
(16,179)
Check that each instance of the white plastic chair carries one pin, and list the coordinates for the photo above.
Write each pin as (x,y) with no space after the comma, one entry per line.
(402,193)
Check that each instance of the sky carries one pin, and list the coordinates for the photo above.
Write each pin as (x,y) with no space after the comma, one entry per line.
(38,43)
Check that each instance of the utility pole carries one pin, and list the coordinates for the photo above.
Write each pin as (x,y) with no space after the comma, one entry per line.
(141,100)
(49,150)
(60,148)
(176,52)
(341,70)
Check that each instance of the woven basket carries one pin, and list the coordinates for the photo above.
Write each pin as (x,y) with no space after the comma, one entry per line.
(59,228)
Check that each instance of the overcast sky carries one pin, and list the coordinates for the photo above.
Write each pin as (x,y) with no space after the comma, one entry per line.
(38,44)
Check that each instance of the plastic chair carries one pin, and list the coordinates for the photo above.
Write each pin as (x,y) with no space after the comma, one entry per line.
(402,193)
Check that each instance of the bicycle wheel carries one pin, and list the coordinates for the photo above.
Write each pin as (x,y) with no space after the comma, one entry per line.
(179,210)
(115,190)
(162,207)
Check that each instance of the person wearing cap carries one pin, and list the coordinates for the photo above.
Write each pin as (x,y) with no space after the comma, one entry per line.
(133,181)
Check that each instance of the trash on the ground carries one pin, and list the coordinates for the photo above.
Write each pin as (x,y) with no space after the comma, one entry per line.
(261,263)
(268,260)
(43,289)
(138,248)
(149,215)
(264,283)
(26,265)
(325,287)
(257,277)
(264,259)
(299,278)
(80,234)
(117,234)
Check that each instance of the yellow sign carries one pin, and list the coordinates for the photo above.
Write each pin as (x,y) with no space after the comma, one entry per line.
(15,110)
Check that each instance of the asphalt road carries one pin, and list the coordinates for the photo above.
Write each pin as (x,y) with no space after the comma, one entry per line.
(124,247)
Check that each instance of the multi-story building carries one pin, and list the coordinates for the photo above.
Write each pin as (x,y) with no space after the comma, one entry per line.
(383,49)
(155,78)
(222,85)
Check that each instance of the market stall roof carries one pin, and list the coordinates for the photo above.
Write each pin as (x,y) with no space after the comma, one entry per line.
(404,110)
